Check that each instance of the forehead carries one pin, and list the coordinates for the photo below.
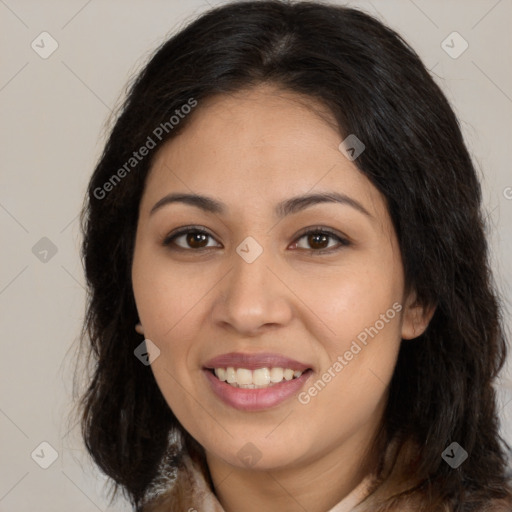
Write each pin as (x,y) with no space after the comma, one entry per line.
(257,147)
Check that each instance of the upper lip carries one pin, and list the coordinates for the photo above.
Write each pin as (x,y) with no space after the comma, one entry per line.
(254,361)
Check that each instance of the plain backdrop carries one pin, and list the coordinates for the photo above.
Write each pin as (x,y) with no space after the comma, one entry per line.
(53,114)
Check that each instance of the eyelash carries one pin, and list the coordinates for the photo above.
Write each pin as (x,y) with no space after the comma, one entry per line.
(316,230)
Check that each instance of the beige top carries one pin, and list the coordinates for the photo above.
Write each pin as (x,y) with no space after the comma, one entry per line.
(354,498)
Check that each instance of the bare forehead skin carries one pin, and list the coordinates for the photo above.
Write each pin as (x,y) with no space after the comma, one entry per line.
(261,146)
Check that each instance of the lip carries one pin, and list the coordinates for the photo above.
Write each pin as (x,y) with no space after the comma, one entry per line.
(254,361)
(255,399)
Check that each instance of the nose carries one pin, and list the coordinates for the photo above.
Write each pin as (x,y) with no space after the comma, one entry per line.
(253,297)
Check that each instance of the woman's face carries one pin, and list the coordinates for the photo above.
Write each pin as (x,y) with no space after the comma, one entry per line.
(258,295)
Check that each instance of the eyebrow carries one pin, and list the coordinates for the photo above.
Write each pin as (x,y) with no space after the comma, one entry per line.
(282,209)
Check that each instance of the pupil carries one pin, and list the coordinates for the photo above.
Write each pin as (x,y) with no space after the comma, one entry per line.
(195,238)
(313,240)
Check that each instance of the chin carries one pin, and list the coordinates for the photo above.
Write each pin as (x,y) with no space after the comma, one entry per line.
(260,453)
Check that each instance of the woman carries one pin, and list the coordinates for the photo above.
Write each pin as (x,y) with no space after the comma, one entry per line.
(286,212)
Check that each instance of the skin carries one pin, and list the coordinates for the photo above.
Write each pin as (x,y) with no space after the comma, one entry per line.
(252,150)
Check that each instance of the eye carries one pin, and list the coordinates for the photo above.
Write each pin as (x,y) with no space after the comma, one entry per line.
(195,237)
(192,237)
(318,239)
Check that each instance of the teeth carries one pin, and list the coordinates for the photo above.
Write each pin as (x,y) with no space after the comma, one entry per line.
(288,374)
(255,379)
(230,375)
(261,377)
(243,376)
(276,374)
(221,374)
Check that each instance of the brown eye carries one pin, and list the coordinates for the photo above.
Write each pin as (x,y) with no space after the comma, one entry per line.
(318,241)
(196,240)
(189,239)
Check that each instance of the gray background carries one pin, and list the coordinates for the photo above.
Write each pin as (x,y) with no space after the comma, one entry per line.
(54,113)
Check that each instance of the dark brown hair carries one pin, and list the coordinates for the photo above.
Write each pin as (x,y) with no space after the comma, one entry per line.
(377,88)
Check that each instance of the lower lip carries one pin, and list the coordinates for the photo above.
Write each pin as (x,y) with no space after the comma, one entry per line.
(256,399)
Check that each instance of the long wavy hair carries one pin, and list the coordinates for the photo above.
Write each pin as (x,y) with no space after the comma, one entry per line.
(377,88)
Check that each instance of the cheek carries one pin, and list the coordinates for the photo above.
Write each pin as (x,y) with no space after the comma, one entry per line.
(360,311)
(171,303)
(352,299)
(167,296)
(168,302)
(350,388)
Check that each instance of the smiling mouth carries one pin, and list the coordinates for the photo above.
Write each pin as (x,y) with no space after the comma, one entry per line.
(256,379)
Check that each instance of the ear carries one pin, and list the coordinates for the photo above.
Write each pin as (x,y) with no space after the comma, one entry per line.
(139,329)
(416,317)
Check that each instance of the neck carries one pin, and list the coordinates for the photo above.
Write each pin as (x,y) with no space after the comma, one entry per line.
(315,485)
